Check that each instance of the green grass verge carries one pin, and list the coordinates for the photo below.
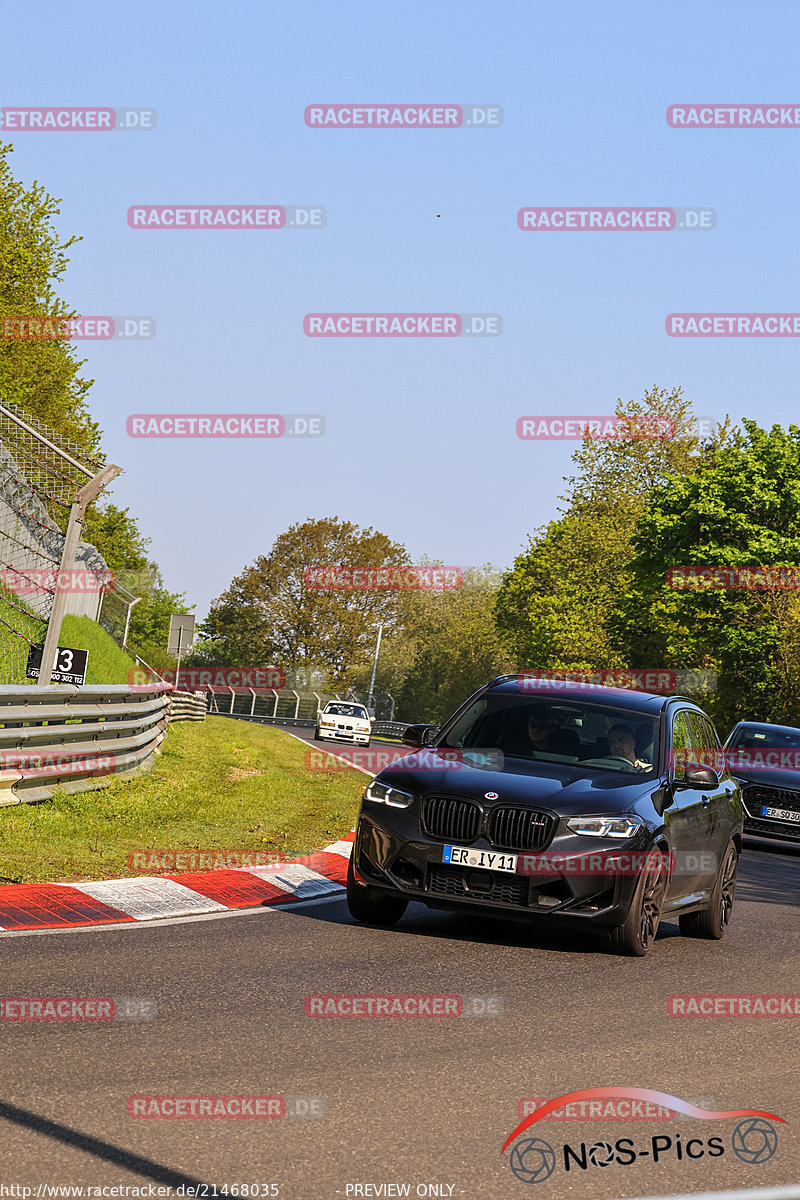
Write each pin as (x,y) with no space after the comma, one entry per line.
(107,663)
(15,649)
(217,784)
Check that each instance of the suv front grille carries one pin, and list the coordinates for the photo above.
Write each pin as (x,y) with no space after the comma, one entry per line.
(754,796)
(520,829)
(450,817)
(497,888)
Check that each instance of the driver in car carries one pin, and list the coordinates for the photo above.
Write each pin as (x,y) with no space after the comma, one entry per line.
(541,729)
(622,744)
(545,736)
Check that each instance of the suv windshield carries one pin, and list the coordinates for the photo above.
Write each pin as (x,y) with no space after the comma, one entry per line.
(765,738)
(594,735)
(346,710)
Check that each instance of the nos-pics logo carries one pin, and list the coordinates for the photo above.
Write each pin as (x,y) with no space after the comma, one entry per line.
(753,1140)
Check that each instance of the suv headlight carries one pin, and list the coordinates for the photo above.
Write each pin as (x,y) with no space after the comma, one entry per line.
(611,827)
(382,793)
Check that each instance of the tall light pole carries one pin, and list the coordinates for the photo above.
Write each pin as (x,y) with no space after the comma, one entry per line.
(374,669)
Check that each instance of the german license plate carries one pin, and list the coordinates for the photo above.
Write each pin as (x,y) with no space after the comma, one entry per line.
(780,814)
(487,860)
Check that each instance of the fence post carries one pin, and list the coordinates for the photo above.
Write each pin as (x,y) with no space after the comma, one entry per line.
(253,703)
(77,513)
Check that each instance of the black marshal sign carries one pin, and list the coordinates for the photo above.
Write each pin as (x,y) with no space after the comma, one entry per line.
(70,665)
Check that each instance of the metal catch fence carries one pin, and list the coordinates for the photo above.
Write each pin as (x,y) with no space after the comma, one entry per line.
(40,474)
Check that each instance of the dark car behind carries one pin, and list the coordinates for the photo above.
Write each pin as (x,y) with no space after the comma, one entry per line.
(766,760)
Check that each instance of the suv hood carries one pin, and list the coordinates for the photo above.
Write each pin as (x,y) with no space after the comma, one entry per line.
(788,781)
(565,788)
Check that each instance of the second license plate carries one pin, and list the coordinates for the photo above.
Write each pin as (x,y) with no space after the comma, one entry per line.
(488,860)
(780,814)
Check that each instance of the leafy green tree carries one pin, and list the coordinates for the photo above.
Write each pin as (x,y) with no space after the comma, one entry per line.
(42,377)
(740,507)
(553,605)
(149,629)
(116,535)
(271,615)
(449,647)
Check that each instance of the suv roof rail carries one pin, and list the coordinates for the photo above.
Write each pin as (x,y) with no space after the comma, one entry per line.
(529,674)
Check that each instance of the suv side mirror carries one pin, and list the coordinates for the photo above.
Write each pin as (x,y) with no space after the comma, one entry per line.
(418,736)
(697,776)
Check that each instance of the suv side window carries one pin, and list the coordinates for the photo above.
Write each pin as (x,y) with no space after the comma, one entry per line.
(717,760)
(703,747)
(682,743)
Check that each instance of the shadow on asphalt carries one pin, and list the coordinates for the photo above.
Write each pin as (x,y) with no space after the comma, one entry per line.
(769,873)
(104,1151)
(487,931)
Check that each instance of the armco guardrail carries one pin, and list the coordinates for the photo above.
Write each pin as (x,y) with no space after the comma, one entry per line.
(76,739)
(187,706)
(393,729)
(295,722)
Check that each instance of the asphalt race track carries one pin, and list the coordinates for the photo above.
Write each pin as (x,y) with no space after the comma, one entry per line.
(408,1101)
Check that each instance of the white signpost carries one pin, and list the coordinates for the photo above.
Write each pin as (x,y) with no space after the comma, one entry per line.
(181,635)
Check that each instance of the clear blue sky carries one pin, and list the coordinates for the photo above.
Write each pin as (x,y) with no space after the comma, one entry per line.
(421,438)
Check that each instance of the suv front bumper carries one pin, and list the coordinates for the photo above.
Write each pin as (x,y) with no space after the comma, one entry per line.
(403,862)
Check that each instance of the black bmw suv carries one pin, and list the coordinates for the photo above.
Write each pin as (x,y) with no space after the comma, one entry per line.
(548,802)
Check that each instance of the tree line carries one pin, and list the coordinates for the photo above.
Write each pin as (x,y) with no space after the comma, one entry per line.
(45,380)
(589,592)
